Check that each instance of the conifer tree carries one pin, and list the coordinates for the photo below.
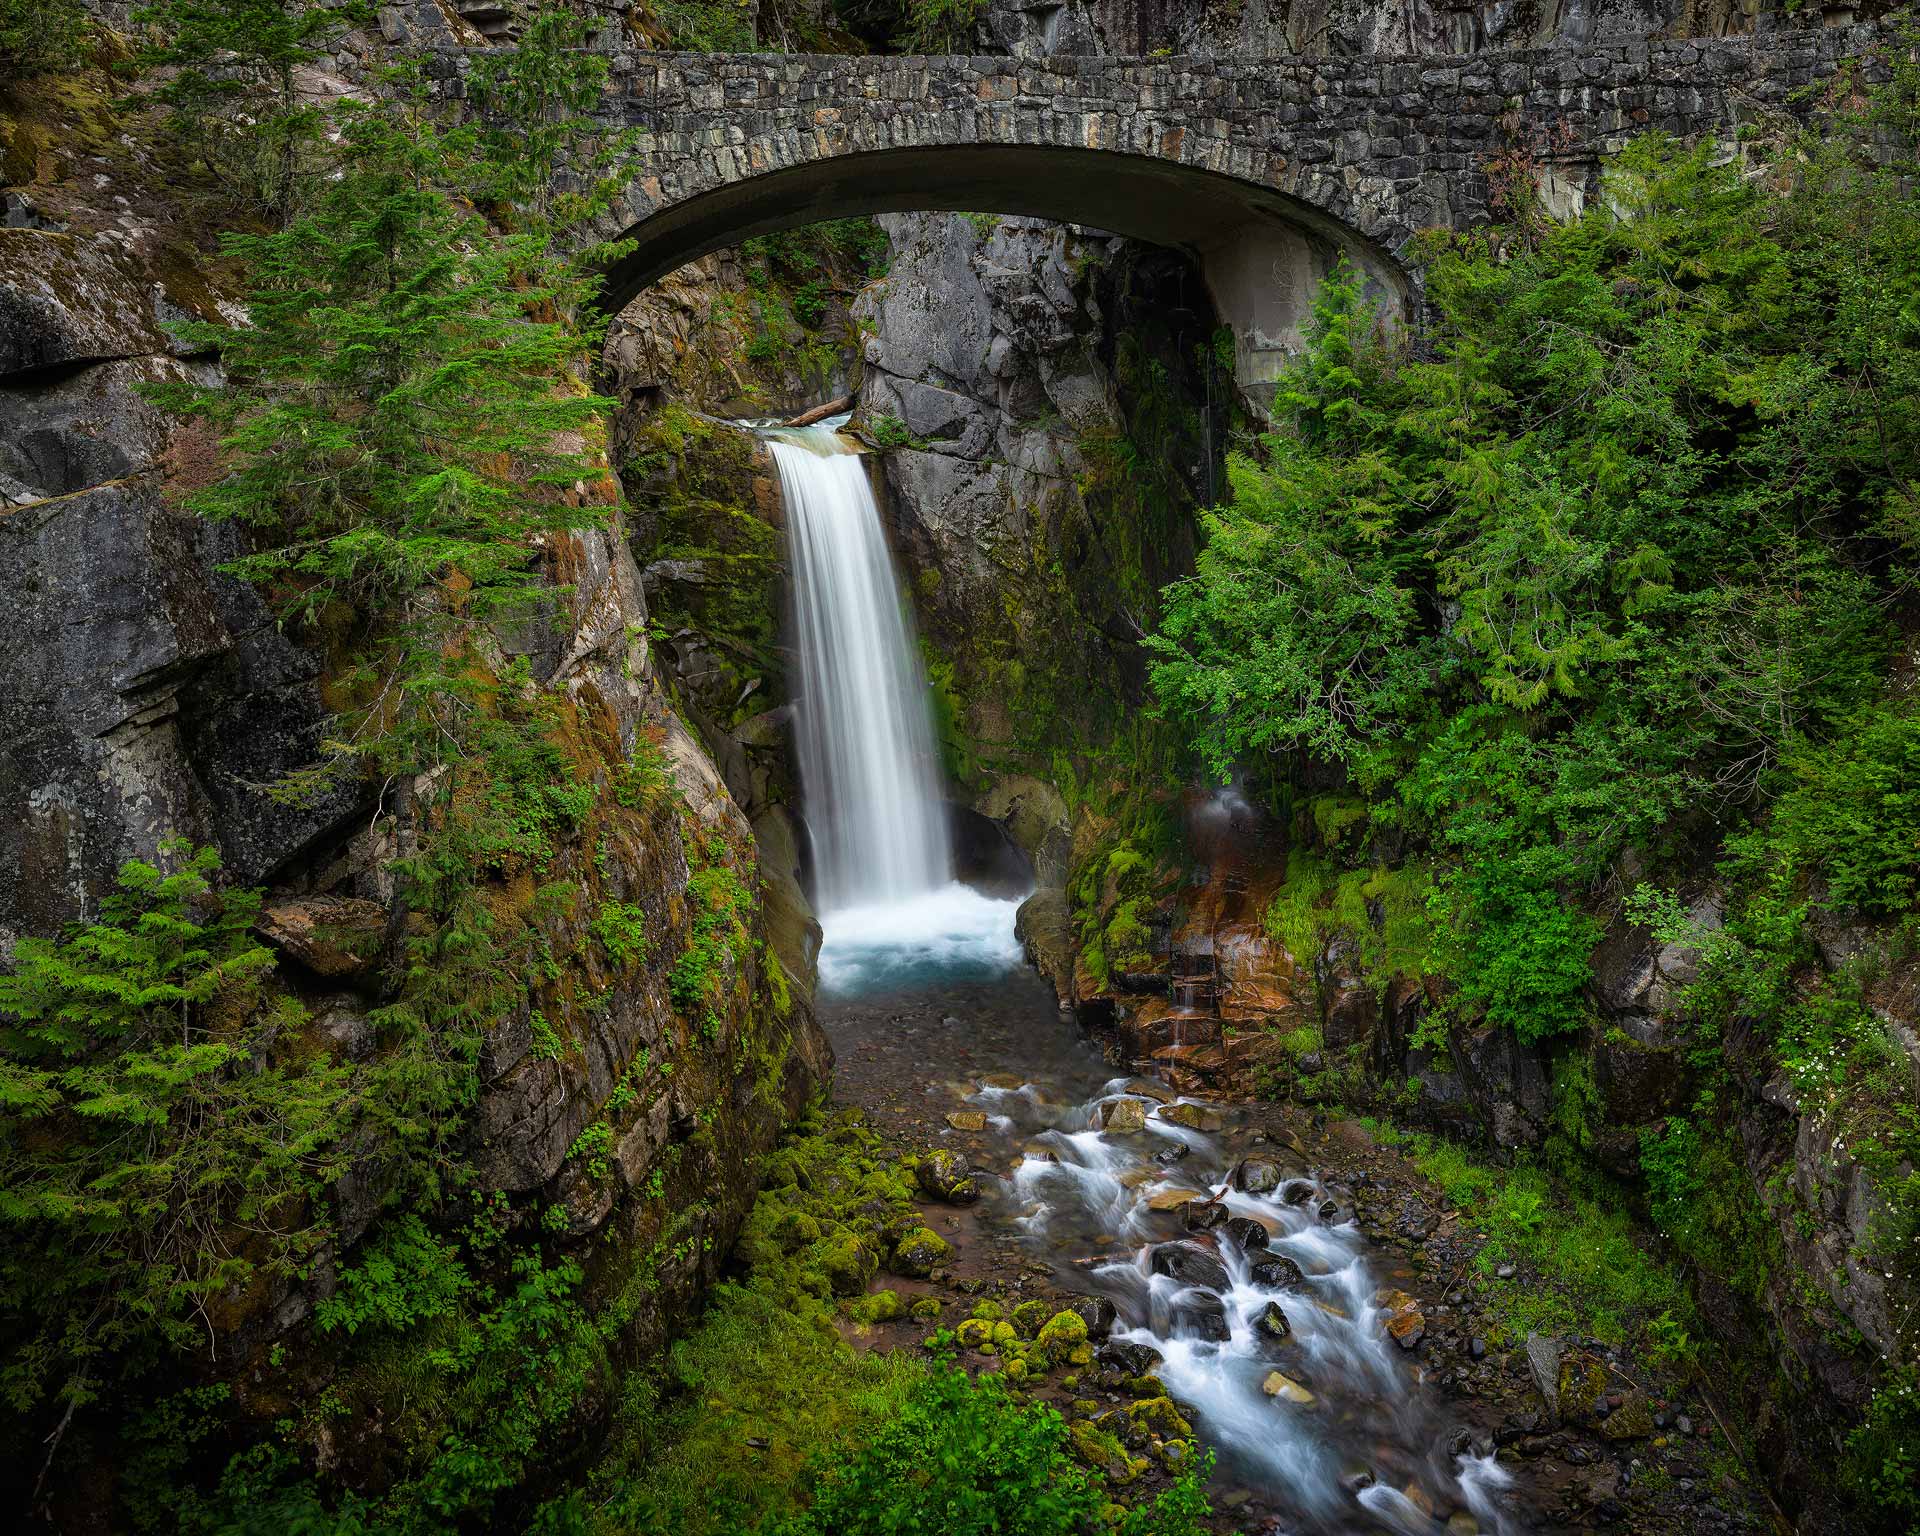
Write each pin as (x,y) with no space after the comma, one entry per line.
(233,86)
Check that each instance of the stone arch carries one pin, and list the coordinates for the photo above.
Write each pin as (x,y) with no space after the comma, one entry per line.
(1260,250)
(1264,169)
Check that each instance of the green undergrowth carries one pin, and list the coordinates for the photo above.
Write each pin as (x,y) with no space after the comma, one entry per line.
(1379,913)
(1583,1267)
(766,1417)
(767,1361)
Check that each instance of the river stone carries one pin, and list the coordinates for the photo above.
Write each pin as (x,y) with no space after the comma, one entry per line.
(1123,1116)
(1097,1312)
(1277,1273)
(967,1120)
(1279,1384)
(943,1175)
(1171,1155)
(1203,1215)
(1257,1177)
(1296,1192)
(1172,1199)
(1190,1264)
(1200,1315)
(1192,1117)
(1543,1360)
(1273,1321)
(1127,1358)
(1407,1328)
(1247,1232)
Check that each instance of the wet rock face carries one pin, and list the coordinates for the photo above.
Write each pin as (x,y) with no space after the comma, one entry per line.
(1190,1264)
(1006,351)
(142,694)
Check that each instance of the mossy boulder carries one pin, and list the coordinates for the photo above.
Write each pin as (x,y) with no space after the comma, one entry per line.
(1158,1416)
(1632,1420)
(920,1252)
(943,1175)
(1103,1452)
(987,1337)
(1583,1388)
(795,1230)
(879,1307)
(925,1310)
(1063,1340)
(1030,1317)
(847,1263)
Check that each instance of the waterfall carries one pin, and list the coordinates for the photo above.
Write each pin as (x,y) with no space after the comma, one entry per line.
(866,744)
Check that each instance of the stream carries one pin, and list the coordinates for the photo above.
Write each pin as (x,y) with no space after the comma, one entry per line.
(1234,1268)
(1319,1421)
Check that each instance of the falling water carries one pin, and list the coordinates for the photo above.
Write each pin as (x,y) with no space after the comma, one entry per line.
(866,746)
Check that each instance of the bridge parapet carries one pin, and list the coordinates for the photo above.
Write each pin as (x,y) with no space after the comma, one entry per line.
(1264,169)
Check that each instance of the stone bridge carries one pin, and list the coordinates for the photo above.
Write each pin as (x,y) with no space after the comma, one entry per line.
(1262,169)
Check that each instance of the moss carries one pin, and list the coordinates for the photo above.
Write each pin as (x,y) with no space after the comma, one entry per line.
(1632,1420)
(1582,1386)
(984,1335)
(1029,1317)
(920,1252)
(878,1307)
(1103,1452)
(1063,1337)
(1158,1416)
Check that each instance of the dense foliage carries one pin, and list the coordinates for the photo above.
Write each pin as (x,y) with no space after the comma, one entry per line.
(156,1154)
(40,35)
(1595,573)
(1603,591)
(405,439)
(233,92)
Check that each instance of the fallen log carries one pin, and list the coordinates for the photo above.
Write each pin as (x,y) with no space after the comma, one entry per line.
(821,412)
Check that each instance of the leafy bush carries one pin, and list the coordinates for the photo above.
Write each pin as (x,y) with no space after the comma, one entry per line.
(1612,559)
(965,1457)
(165,1141)
(41,36)
(1881,1467)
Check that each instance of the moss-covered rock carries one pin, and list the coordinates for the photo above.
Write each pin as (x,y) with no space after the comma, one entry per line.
(920,1252)
(1632,1420)
(1158,1416)
(943,1175)
(795,1230)
(847,1263)
(1063,1340)
(879,1307)
(1030,1317)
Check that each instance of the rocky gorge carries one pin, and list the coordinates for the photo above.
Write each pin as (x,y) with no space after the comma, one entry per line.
(1047,412)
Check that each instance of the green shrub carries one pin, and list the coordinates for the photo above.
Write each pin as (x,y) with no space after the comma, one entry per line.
(41,36)
(966,1458)
(1881,1467)
(164,1141)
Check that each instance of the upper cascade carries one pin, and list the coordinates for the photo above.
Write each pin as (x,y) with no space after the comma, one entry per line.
(867,764)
